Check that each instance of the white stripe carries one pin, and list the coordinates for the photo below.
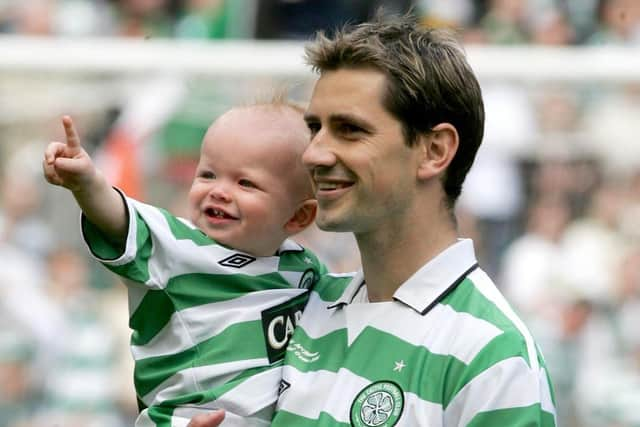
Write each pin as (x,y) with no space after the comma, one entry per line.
(135,293)
(257,394)
(194,325)
(335,393)
(472,333)
(143,420)
(183,415)
(419,412)
(292,277)
(172,257)
(509,383)
(486,287)
(332,320)
(199,378)
(545,390)
(315,392)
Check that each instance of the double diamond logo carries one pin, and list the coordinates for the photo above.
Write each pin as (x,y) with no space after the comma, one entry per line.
(237,260)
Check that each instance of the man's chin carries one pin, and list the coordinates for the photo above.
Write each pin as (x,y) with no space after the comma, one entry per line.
(332,224)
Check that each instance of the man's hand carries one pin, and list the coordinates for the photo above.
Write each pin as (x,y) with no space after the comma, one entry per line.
(68,164)
(212,419)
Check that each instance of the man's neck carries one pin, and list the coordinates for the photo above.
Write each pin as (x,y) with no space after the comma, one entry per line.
(390,257)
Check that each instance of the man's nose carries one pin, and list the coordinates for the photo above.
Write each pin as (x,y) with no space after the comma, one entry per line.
(319,152)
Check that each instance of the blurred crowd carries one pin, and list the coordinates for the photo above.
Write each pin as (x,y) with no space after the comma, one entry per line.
(553,202)
(562,22)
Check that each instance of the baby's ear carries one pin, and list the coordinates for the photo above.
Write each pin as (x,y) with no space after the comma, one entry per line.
(304,215)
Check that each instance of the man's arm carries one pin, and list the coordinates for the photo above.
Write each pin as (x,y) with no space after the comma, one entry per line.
(68,165)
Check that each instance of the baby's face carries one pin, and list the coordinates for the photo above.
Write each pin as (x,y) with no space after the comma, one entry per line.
(243,193)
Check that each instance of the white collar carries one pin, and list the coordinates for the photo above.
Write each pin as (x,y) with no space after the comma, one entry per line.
(430,283)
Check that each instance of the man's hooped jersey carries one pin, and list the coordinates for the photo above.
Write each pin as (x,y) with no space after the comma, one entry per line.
(448,351)
(210,324)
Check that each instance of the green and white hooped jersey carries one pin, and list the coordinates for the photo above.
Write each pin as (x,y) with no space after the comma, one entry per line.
(210,324)
(448,351)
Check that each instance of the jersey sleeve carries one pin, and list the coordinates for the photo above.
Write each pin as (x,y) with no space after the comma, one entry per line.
(502,386)
(147,231)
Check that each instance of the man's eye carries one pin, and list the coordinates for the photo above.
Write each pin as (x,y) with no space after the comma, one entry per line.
(247,183)
(314,127)
(348,128)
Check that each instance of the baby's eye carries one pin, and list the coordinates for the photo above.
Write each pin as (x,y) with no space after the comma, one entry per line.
(207,175)
(247,183)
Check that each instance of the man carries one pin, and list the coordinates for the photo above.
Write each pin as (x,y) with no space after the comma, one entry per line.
(420,336)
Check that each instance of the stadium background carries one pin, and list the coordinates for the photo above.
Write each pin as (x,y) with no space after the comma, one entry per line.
(553,201)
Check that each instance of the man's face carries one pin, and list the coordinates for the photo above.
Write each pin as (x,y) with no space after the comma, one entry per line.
(364,172)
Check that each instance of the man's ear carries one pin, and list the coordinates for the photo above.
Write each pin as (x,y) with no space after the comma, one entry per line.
(437,150)
(304,215)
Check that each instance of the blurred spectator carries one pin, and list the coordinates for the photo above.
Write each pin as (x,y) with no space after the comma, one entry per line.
(16,383)
(618,22)
(22,224)
(445,13)
(34,17)
(505,22)
(531,266)
(79,389)
(611,121)
(300,19)
(552,27)
(596,238)
(493,190)
(145,18)
(216,19)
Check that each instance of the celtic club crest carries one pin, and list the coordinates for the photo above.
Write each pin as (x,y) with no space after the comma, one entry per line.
(378,405)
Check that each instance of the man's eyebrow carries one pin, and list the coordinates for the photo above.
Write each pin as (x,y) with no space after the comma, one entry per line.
(310,117)
(349,118)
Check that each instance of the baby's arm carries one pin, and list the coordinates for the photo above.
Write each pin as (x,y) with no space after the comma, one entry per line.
(68,165)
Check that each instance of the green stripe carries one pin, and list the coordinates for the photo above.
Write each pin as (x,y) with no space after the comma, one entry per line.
(151,315)
(211,394)
(103,248)
(528,416)
(504,346)
(138,269)
(381,351)
(295,261)
(191,290)
(181,231)
(330,288)
(467,299)
(543,364)
(152,371)
(447,375)
(288,419)
(161,415)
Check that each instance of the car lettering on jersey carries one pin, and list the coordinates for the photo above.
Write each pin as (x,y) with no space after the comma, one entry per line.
(379,404)
(278,324)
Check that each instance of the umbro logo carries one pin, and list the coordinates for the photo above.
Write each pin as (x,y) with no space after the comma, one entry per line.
(283,387)
(237,260)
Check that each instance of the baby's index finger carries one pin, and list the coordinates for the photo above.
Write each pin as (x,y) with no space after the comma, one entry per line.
(73,140)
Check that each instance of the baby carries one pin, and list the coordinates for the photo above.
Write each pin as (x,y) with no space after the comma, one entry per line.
(214,300)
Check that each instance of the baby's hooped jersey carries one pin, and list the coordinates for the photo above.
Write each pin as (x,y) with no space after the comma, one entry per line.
(210,324)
